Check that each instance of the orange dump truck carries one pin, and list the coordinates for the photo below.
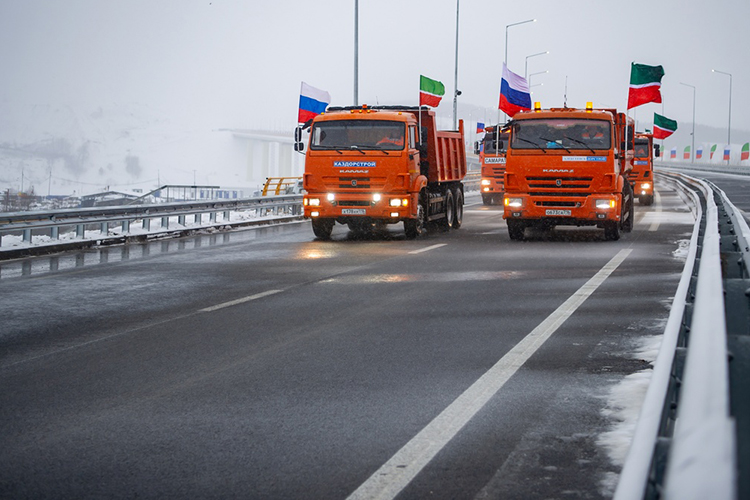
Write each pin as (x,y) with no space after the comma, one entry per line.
(492,157)
(642,176)
(370,166)
(569,166)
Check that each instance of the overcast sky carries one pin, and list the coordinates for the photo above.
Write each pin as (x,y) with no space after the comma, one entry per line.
(232,63)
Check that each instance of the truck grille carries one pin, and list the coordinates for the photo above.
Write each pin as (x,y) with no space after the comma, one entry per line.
(561,183)
(354,183)
(558,203)
(353,203)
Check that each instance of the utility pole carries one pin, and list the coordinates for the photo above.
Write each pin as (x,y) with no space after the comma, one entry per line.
(356,52)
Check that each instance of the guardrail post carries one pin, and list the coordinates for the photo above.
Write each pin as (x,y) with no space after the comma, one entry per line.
(104,228)
(146,224)
(181,220)
(226,215)
(27,235)
(54,233)
(125,226)
(198,218)
(212,217)
(165,222)
(80,230)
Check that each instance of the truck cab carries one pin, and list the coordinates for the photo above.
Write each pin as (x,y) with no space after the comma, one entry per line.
(567,166)
(492,160)
(642,176)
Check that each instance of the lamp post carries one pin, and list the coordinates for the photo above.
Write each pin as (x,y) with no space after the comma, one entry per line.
(456,92)
(729,127)
(356,52)
(534,74)
(526,66)
(692,134)
(506,46)
(506,35)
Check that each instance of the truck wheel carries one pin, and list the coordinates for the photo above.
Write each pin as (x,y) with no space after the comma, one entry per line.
(322,228)
(611,231)
(628,211)
(415,227)
(487,199)
(646,200)
(450,210)
(516,228)
(458,216)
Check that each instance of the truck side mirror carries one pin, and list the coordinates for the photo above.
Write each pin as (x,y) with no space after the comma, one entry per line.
(298,134)
(476,147)
(657,151)
(299,146)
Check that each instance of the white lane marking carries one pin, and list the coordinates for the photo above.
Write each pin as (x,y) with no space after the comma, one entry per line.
(655,224)
(427,249)
(239,301)
(396,473)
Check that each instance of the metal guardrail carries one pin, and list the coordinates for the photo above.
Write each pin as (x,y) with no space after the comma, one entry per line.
(103,218)
(27,223)
(706,167)
(685,443)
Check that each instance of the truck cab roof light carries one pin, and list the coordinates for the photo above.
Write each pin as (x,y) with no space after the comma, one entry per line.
(537,106)
(589,106)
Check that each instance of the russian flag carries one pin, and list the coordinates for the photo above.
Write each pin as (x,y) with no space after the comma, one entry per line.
(312,102)
(727,151)
(699,153)
(514,93)
(480,127)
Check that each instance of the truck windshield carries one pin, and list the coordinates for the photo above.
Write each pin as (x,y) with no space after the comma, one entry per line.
(563,133)
(358,134)
(490,140)
(641,148)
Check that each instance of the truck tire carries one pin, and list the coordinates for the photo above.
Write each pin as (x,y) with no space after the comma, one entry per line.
(611,231)
(322,228)
(458,215)
(415,227)
(488,199)
(628,209)
(646,200)
(516,229)
(450,209)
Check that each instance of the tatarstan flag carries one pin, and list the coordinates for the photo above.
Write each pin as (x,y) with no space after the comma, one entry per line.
(645,84)
(745,155)
(430,91)
(663,126)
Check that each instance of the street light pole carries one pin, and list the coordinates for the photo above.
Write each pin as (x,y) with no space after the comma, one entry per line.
(692,144)
(729,127)
(526,67)
(506,48)
(534,74)
(356,52)
(456,92)
(506,35)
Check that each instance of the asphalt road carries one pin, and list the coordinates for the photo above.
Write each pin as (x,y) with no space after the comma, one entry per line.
(267,364)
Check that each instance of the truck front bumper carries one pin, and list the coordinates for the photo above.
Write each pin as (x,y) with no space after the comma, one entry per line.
(591,209)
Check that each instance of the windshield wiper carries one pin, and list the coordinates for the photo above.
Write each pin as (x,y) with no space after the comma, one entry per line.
(355,147)
(532,143)
(555,142)
(582,144)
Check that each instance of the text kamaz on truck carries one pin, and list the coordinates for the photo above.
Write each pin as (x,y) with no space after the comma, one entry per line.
(367,167)
(568,166)
(492,158)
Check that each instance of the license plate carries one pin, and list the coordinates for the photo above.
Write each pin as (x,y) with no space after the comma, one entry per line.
(558,212)
(353,211)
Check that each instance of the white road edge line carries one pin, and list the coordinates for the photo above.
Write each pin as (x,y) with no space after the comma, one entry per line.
(390,479)
(655,224)
(427,249)
(240,301)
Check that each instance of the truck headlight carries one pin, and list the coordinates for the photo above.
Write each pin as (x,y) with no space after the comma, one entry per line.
(376,197)
(314,202)
(486,182)
(645,185)
(330,196)
(513,202)
(604,204)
